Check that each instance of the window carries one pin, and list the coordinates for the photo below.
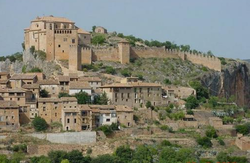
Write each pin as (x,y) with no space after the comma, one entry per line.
(75,120)
(55,114)
(73,41)
(59,46)
(65,26)
(18,99)
(63,51)
(37,25)
(64,39)
(50,26)
(107,120)
(68,120)
(56,26)
(44,109)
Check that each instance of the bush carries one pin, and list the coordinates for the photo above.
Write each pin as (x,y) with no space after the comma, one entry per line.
(191,102)
(190,112)
(36,69)
(221,142)
(211,132)
(20,148)
(32,49)
(126,72)
(63,94)
(44,93)
(164,127)
(204,142)
(227,120)
(98,39)
(167,82)
(39,124)
(243,129)
(41,55)
(110,70)
(83,98)
(108,130)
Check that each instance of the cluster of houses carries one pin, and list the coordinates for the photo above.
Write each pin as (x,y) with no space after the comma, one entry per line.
(21,100)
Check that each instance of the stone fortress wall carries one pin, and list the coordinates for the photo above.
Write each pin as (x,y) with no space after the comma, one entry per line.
(123,53)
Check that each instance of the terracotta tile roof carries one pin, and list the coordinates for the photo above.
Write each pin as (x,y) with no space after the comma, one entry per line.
(69,99)
(18,90)
(22,77)
(4,73)
(49,100)
(123,108)
(52,19)
(48,82)
(31,86)
(8,104)
(84,107)
(79,85)
(73,75)
(102,106)
(83,78)
(95,110)
(63,78)
(132,84)
(81,31)
(3,81)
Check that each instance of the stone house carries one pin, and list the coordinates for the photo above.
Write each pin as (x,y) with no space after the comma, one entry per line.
(50,109)
(94,82)
(85,114)
(78,86)
(100,29)
(34,88)
(18,80)
(4,80)
(52,86)
(40,75)
(125,115)
(64,83)
(134,94)
(179,92)
(9,115)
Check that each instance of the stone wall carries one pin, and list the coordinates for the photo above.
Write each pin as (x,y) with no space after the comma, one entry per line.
(68,137)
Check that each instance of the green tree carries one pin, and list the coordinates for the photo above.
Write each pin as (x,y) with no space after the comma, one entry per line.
(39,124)
(110,70)
(243,129)
(227,120)
(201,91)
(23,46)
(143,154)
(83,98)
(17,157)
(65,161)
(3,159)
(222,157)
(148,104)
(167,82)
(32,49)
(44,93)
(211,132)
(36,69)
(98,39)
(204,142)
(106,159)
(63,94)
(101,99)
(186,155)
(93,28)
(57,156)
(76,156)
(126,72)
(191,102)
(124,153)
(213,101)
(167,155)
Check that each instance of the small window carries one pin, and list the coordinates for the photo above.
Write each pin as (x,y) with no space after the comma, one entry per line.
(63,51)
(59,46)
(75,120)
(107,120)
(68,120)
(55,114)
(50,26)
(65,39)
(73,41)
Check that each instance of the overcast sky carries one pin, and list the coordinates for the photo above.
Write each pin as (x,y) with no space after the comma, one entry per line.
(222,26)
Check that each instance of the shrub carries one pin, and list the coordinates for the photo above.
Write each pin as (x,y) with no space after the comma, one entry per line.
(221,142)
(110,70)
(164,127)
(63,94)
(211,132)
(20,148)
(191,102)
(204,142)
(227,120)
(32,49)
(83,98)
(167,82)
(89,150)
(39,124)
(190,112)
(126,72)
(36,69)
(98,39)
(243,129)
(44,93)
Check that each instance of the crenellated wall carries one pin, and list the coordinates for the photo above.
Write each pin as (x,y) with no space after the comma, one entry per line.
(152,52)
(123,53)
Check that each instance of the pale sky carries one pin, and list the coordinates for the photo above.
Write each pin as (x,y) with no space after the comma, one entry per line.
(222,26)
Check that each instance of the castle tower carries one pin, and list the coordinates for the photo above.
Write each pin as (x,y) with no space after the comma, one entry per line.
(124,52)
(74,58)
(50,41)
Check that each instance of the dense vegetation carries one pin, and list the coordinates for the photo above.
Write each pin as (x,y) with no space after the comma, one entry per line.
(18,56)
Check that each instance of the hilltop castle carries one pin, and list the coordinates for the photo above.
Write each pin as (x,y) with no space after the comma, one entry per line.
(62,40)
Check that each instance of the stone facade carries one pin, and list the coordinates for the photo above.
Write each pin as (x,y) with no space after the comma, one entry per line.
(100,29)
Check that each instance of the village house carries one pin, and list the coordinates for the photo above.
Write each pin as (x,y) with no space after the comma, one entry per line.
(9,115)
(70,119)
(40,75)
(64,83)
(94,82)
(18,80)
(73,76)
(179,92)
(51,86)
(54,35)
(78,86)
(4,80)
(107,115)
(134,94)
(125,115)
(101,30)
(85,117)
(50,109)
(34,88)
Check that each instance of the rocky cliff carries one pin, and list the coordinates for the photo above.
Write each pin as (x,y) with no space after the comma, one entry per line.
(234,80)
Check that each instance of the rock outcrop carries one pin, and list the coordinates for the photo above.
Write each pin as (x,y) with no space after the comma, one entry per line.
(234,80)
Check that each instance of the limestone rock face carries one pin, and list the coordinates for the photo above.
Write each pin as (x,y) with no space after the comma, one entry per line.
(30,61)
(233,80)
